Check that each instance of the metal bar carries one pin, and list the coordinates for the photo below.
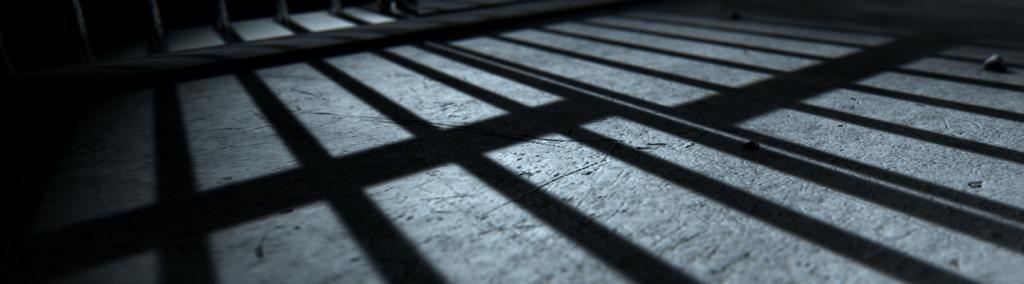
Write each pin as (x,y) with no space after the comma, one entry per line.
(84,49)
(282,11)
(384,6)
(5,62)
(159,39)
(223,25)
(320,44)
(335,7)
(410,7)
(222,16)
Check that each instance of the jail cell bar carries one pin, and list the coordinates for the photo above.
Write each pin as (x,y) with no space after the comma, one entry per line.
(84,49)
(282,11)
(223,24)
(335,7)
(159,39)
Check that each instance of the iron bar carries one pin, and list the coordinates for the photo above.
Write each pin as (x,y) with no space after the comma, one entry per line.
(84,49)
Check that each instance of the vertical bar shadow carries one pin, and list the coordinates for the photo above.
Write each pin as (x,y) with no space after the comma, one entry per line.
(865,251)
(970,223)
(184,257)
(618,253)
(854,247)
(392,254)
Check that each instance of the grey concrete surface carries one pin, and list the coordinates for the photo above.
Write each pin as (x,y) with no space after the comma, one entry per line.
(606,148)
(367,16)
(200,37)
(262,28)
(320,21)
(690,47)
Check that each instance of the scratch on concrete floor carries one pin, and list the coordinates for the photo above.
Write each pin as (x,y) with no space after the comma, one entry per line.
(307,93)
(730,263)
(259,251)
(541,186)
(675,245)
(239,128)
(651,146)
(518,225)
(464,195)
(566,140)
(517,137)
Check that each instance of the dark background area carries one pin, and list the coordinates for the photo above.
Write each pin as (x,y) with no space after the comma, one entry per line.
(41,34)
(997,18)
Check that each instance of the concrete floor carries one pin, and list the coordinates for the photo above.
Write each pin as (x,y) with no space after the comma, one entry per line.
(602,149)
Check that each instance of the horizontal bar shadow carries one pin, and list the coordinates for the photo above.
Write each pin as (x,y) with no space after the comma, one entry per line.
(964,221)
(999,45)
(979,110)
(639,46)
(618,253)
(980,148)
(978,61)
(963,144)
(739,30)
(877,256)
(977,202)
(864,251)
(84,243)
(705,40)
(617,64)
(834,28)
(949,141)
(911,183)
(963,80)
(392,254)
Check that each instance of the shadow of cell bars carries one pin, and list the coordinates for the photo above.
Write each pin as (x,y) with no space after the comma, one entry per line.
(605,149)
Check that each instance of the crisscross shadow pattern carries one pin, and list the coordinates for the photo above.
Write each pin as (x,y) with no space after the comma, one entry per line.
(714,114)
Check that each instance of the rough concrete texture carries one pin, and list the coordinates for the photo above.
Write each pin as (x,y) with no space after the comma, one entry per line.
(601,149)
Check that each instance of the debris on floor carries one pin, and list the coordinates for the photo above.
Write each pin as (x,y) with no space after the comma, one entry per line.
(259,252)
(751,146)
(974,184)
(995,63)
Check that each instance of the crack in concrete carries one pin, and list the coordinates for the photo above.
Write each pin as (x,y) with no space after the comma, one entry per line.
(307,93)
(541,186)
